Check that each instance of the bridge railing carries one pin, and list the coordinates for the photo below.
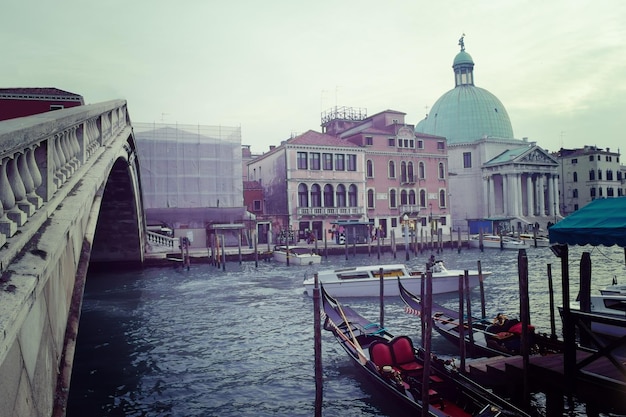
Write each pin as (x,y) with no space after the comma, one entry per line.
(39,153)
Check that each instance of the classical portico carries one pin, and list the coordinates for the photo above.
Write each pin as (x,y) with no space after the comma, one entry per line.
(522,183)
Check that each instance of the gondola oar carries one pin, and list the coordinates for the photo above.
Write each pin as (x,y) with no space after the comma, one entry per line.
(357,347)
(356,343)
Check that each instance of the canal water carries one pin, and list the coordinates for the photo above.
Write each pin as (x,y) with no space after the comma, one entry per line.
(207,342)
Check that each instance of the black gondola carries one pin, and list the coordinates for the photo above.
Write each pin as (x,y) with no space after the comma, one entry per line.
(395,366)
(500,336)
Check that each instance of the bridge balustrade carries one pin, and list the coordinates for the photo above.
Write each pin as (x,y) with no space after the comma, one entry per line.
(38,154)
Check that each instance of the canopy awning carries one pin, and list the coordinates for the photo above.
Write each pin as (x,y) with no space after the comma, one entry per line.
(601,222)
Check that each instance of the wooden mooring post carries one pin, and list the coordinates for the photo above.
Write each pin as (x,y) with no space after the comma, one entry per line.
(319,385)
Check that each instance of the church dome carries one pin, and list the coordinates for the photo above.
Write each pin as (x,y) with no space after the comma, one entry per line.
(466,113)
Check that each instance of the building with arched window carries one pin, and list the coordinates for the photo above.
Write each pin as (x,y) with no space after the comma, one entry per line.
(311,182)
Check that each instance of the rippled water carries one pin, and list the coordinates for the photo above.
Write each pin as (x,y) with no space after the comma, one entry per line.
(208,342)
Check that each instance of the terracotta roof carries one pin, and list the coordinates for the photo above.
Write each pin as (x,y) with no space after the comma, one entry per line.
(312,137)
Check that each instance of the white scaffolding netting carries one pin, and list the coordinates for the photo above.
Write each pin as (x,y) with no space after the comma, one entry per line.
(188,166)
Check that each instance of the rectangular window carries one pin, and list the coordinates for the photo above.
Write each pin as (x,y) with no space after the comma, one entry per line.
(302,160)
(574,160)
(340,162)
(441,145)
(420,144)
(351,162)
(411,143)
(369,140)
(467,159)
(392,142)
(315,161)
(327,161)
(256,204)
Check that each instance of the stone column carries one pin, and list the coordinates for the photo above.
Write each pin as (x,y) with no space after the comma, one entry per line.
(541,206)
(505,193)
(551,197)
(492,197)
(529,195)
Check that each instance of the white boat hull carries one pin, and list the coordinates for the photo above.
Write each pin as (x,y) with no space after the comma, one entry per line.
(495,244)
(443,282)
(297,258)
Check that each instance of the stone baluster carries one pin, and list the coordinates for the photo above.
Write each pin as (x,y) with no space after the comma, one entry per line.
(61,147)
(36,174)
(75,147)
(92,137)
(10,217)
(31,177)
(58,179)
(19,190)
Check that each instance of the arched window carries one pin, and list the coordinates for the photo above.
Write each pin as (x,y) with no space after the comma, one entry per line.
(421,170)
(370,198)
(370,169)
(442,198)
(442,173)
(403,198)
(410,172)
(575,176)
(392,198)
(600,175)
(392,169)
(328,196)
(422,198)
(341,195)
(412,197)
(352,196)
(403,175)
(303,196)
(592,175)
(316,196)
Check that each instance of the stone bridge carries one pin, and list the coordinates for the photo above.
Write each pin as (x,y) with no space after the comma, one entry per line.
(70,197)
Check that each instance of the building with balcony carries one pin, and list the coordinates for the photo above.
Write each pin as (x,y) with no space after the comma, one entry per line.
(310,182)
(406,173)
(589,173)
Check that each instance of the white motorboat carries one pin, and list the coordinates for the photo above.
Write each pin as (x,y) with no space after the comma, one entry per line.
(497,242)
(530,239)
(364,281)
(612,306)
(298,255)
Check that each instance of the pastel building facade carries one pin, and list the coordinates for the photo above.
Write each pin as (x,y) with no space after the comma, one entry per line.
(310,183)
(361,178)
(589,173)
(406,173)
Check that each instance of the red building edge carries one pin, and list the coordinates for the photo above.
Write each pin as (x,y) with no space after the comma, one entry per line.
(21,102)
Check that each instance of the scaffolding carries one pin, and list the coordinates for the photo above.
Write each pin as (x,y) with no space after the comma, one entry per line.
(189,166)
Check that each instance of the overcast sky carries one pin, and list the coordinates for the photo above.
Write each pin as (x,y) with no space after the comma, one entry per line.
(272,67)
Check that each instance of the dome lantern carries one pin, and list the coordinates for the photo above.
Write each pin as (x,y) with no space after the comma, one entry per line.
(463,66)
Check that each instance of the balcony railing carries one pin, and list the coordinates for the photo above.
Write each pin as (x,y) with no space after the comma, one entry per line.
(331,211)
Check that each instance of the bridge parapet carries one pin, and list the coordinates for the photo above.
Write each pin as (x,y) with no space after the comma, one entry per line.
(38,154)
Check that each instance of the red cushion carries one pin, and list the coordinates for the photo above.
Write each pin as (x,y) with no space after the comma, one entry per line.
(380,354)
(517,328)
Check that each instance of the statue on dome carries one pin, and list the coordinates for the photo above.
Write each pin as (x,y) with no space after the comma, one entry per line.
(462,43)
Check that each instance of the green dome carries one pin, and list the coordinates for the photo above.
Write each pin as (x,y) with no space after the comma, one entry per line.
(463,58)
(466,113)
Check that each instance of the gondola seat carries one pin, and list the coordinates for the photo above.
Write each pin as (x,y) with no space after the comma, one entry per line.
(404,355)
(380,354)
